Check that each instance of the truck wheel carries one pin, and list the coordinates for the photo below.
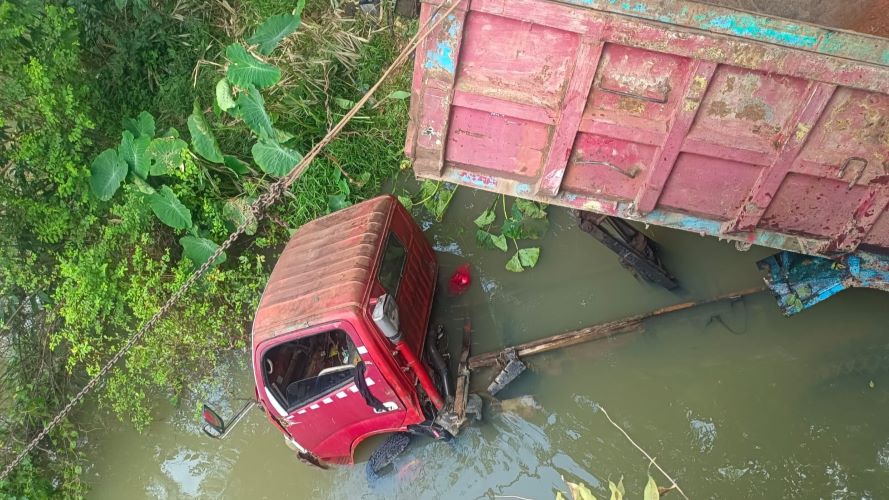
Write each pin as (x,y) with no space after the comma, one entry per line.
(391,448)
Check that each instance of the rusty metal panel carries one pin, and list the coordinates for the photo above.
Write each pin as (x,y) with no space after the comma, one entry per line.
(327,266)
(692,116)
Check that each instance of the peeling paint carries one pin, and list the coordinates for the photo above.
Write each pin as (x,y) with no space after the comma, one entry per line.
(802,130)
(442,58)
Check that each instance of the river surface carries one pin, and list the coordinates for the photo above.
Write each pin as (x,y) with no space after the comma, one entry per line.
(733,400)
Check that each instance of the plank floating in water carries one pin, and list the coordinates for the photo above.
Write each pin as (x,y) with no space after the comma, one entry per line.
(600,331)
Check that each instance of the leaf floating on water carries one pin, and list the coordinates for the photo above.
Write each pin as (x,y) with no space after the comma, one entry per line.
(651,492)
(580,491)
(486,218)
(617,491)
(514,264)
(529,209)
(529,256)
(406,201)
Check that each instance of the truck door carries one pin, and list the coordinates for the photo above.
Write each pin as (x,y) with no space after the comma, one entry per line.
(311,383)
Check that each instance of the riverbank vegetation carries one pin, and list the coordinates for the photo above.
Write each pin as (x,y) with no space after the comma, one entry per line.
(82,265)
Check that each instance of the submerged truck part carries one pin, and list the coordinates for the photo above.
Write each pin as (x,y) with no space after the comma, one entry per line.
(672,113)
(800,281)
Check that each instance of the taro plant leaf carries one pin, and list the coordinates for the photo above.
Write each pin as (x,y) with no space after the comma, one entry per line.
(134,151)
(237,211)
(275,159)
(529,256)
(224,98)
(202,137)
(251,109)
(438,204)
(165,154)
(529,209)
(142,186)
(486,218)
(199,250)
(166,205)
(490,240)
(337,202)
(270,33)
(170,132)
(580,491)
(282,136)
(651,492)
(106,173)
(245,70)
(514,264)
(512,229)
(237,165)
(141,126)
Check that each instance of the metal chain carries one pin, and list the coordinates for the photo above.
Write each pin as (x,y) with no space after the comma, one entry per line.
(259,207)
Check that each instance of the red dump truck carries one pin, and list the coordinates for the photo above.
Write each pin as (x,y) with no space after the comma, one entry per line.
(732,124)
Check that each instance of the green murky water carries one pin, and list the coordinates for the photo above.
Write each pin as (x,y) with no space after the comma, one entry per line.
(752,405)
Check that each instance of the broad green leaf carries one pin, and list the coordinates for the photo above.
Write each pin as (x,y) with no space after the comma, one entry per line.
(500,242)
(167,207)
(406,201)
(398,95)
(651,492)
(344,103)
(142,185)
(141,126)
(534,229)
(275,159)
(106,174)
(512,229)
(484,239)
(134,151)
(224,98)
(530,209)
(170,132)
(270,33)
(617,490)
(165,154)
(580,491)
(251,109)
(282,136)
(237,211)
(245,70)
(199,250)
(236,165)
(486,218)
(528,257)
(202,137)
(337,202)
(514,264)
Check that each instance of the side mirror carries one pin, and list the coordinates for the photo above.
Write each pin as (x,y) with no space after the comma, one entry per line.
(212,421)
(214,425)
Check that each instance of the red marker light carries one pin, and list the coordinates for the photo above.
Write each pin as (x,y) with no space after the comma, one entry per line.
(460,281)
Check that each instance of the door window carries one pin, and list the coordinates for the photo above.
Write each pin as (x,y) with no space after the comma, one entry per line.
(307,368)
(392,265)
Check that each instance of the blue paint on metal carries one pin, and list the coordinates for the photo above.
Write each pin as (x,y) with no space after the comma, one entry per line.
(442,57)
(523,189)
(801,281)
(756,27)
(681,221)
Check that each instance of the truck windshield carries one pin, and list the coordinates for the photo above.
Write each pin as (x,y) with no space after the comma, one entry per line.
(305,369)
(392,265)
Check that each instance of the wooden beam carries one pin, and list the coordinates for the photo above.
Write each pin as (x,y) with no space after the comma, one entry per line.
(579,84)
(794,137)
(680,123)
(600,331)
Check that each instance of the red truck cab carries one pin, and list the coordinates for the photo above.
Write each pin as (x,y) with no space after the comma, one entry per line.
(326,373)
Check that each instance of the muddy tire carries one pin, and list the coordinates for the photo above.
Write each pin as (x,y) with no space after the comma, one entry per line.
(391,448)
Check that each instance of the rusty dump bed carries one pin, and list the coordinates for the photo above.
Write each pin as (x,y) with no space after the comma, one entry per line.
(723,122)
(325,267)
